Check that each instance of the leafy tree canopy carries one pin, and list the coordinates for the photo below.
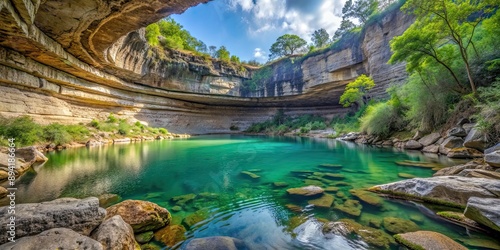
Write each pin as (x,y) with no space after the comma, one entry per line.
(286,45)
(223,54)
(320,38)
(356,90)
(360,9)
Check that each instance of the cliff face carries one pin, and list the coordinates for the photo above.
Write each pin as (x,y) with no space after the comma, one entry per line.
(325,74)
(74,60)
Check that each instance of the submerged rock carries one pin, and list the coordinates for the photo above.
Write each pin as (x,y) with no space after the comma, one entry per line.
(114,233)
(195,217)
(418,164)
(170,235)
(367,197)
(305,191)
(280,184)
(460,219)
(56,238)
(427,240)
(397,225)
(351,207)
(406,175)
(106,200)
(331,189)
(82,216)
(334,176)
(181,200)
(331,166)
(444,190)
(345,227)
(486,211)
(250,174)
(216,242)
(325,201)
(144,237)
(143,216)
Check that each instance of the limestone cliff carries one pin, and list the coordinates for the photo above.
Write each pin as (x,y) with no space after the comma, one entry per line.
(324,74)
(73,60)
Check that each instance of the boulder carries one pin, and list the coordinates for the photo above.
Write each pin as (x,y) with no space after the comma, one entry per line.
(446,190)
(434,149)
(82,216)
(249,175)
(492,149)
(114,233)
(493,159)
(449,143)
(56,238)
(30,154)
(350,136)
(455,169)
(427,240)
(216,242)
(476,139)
(397,225)
(279,184)
(346,227)
(305,191)
(468,127)
(143,216)
(429,139)
(463,121)
(480,173)
(170,235)
(412,144)
(456,131)
(464,153)
(486,211)
(25,158)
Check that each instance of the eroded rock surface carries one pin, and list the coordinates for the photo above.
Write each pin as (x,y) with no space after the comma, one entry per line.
(82,216)
(427,240)
(56,238)
(485,211)
(143,216)
(114,233)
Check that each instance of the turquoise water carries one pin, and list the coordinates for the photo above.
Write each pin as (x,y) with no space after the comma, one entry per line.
(231,203)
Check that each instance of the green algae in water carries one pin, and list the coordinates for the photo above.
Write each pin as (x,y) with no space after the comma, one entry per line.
(208,170)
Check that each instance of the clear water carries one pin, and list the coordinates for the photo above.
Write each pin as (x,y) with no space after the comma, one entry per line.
(251,210)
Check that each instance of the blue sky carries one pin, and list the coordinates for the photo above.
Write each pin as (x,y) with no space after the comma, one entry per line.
(248,28)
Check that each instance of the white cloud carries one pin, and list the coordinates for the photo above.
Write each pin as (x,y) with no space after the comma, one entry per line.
(259,54)
(300,17)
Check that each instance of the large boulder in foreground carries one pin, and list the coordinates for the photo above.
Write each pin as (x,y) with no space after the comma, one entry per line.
(305,191)
(446,190)
(485,211)
(216,242)
(82,216)
(114,233)
(143,216)
(56,238)
(427,240)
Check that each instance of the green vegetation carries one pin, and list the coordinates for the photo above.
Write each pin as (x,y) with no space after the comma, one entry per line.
(281,124)
(286,45)
(355,92)
(320,38)
(360,9)
(27,132)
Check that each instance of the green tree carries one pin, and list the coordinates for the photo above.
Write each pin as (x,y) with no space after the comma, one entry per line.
(345,26)
(286,45)
(320,38)
(223,54)
(235,59)
(212,50)
(360,9)
(152,34)
(355,91)
(453,22)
